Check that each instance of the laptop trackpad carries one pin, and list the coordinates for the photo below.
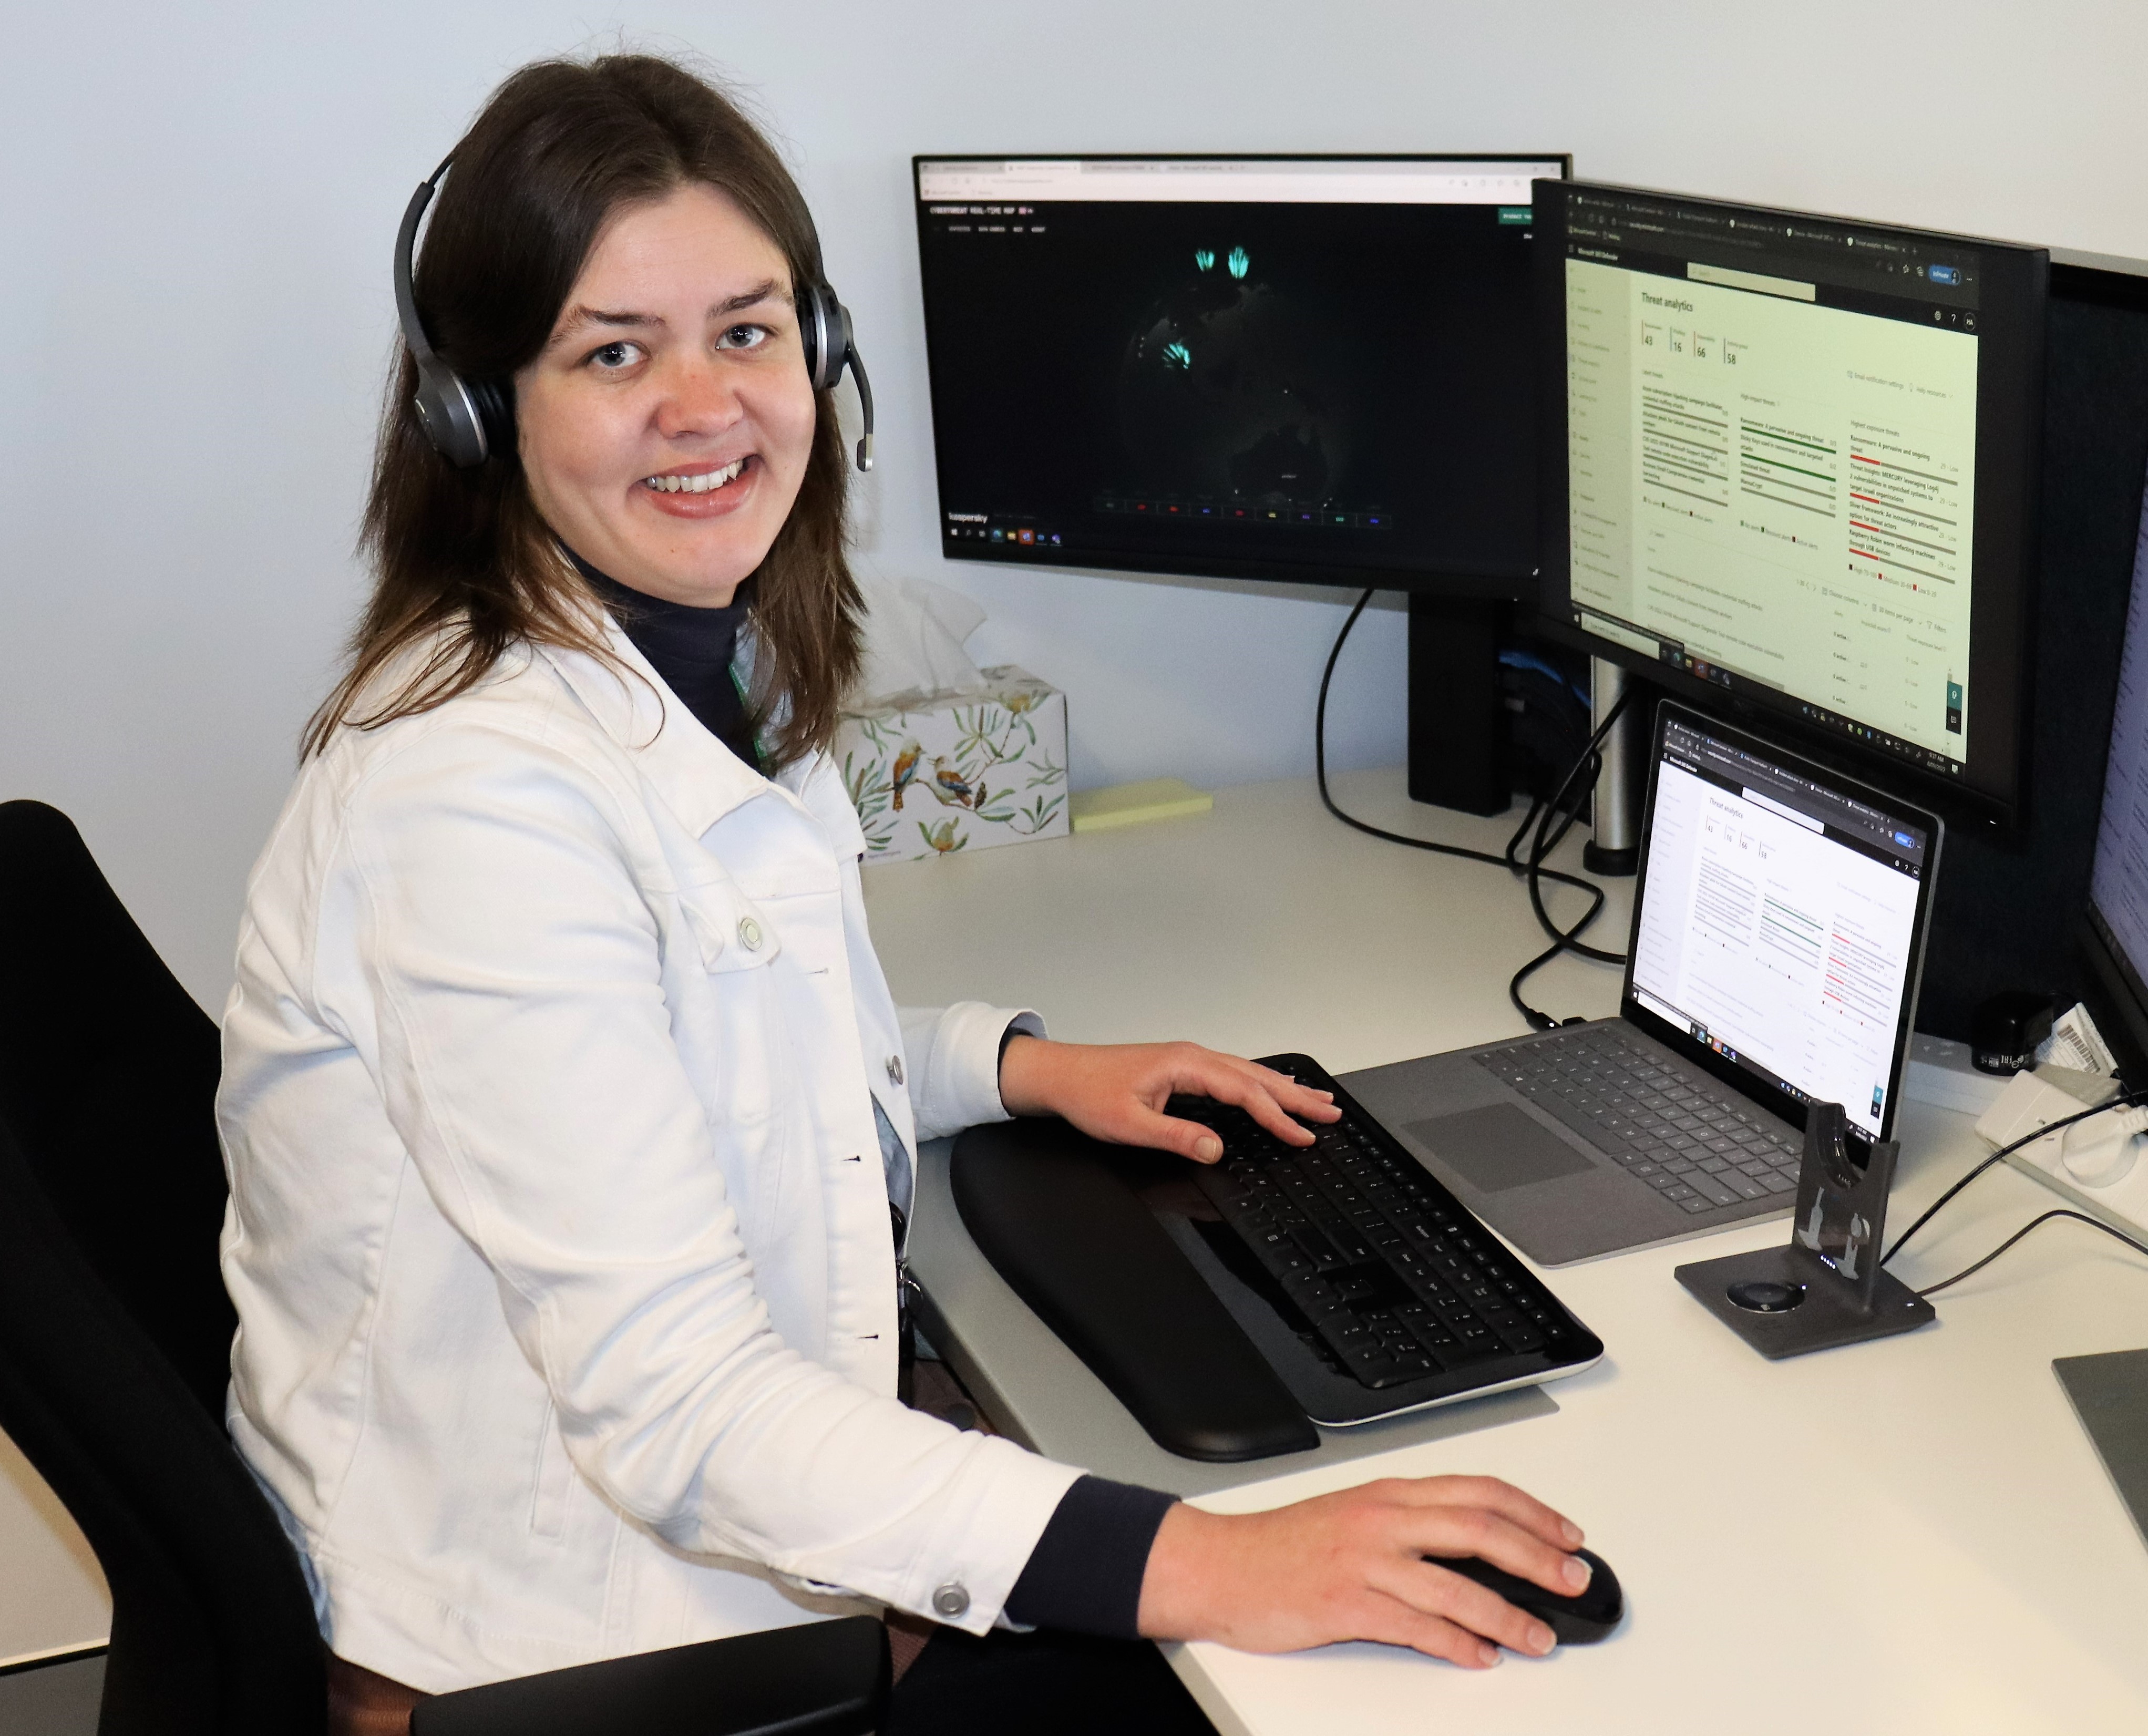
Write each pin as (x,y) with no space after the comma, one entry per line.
(1497,1147)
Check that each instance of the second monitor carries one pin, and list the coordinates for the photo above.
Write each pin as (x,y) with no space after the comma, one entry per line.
(1791,470)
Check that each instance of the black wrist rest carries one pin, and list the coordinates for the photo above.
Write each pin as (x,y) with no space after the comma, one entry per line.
(1050,1208)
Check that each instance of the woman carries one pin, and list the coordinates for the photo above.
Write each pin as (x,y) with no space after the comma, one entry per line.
(564,1101)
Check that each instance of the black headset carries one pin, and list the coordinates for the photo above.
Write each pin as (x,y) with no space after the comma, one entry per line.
(468,419)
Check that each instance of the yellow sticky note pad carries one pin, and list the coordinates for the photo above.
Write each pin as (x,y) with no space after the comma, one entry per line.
(1130,803)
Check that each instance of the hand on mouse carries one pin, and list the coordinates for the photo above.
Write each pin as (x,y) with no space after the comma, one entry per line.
(1350,1566)
(1116,1091)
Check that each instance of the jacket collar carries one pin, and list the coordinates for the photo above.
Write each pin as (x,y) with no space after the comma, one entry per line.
(695,774)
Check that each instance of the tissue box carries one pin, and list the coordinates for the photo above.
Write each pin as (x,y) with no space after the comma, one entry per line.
(933,774)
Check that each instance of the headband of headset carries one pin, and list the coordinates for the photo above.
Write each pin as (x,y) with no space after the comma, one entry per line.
(468,420)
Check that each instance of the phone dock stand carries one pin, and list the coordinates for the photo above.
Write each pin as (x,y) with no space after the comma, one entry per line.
(1825,1288)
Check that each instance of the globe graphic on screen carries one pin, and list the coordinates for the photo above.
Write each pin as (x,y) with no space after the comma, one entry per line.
(1229,390)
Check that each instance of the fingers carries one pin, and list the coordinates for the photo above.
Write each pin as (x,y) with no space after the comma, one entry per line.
(1490,1494)
(1462,1604)
(1401,1623)
(1466,1532)
(1270,1097)
(1472,1516)
(1117,1093)
(1146,1127)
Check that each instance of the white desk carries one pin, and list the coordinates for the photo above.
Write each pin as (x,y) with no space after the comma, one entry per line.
(1904,1537)
(52,1597)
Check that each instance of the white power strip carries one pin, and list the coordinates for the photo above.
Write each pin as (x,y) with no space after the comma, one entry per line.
(2100,1165)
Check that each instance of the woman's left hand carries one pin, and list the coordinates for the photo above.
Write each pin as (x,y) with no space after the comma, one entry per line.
(1117,1092)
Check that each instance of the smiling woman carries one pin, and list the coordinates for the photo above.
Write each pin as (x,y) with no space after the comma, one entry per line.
(617,253)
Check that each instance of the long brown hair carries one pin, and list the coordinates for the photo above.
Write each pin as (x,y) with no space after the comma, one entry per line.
(463,562)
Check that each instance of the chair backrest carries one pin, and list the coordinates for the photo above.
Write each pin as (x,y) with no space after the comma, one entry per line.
(108,1076)
(115,1330)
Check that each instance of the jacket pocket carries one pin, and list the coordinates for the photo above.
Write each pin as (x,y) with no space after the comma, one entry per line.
(727,1013)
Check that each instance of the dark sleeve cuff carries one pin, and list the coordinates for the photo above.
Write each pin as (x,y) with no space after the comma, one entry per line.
(1084,1574)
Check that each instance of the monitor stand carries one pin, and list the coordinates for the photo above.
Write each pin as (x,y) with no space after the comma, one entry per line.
(1457,713)
(1615,812)
(1462,750)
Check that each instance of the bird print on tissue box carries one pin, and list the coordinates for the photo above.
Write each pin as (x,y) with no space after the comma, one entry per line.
(959,772)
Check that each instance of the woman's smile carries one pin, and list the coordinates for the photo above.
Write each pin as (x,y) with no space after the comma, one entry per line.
(701,491)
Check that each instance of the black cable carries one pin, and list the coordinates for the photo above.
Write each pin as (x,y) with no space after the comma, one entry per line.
(1320,762)
(2094,1223)
(1535,870)
(1542,811)
(2123,1100)
(1591,758)
(1538,815)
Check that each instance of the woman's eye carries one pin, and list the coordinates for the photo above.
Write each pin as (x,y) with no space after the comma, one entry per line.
(743,337)
(613,357)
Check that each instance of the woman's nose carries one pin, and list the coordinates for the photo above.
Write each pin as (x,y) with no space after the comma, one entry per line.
(700,399)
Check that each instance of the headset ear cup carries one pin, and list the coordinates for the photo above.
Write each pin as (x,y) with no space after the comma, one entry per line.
(809,334)
(494,400)
(448,416)
(826,326)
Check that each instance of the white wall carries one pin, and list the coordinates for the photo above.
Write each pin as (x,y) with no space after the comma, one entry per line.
(197,203)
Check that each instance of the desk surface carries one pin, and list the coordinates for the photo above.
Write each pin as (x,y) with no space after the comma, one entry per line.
(1908,1536)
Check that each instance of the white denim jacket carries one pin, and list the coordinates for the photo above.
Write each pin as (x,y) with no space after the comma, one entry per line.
(558,1233)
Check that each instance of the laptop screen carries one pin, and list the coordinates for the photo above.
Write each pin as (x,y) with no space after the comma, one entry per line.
(1781,921)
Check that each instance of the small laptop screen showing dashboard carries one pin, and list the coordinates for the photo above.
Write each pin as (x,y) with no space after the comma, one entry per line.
(1779,922)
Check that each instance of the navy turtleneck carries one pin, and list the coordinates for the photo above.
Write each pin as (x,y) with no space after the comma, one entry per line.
(691,649)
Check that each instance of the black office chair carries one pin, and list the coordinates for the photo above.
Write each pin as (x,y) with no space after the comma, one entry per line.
(115,1338)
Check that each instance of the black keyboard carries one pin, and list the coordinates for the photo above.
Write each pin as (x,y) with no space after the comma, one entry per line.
(1696,1143)
(1398,1282)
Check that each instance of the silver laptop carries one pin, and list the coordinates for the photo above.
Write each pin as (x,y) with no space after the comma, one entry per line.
(1779,936)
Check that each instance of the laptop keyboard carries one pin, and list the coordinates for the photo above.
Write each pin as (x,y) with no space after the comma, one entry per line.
(1397,1277)
(1698,1148)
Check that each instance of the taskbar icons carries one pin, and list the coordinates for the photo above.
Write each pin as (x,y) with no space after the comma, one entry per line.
(1701,1034)
(1699,666)
(1269,509)
(1018,536)
(1926,759)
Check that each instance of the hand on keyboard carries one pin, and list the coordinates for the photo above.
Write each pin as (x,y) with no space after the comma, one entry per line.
(1350,1566)
(1117,1092)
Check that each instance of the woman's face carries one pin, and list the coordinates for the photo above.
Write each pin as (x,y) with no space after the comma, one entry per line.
(664,428)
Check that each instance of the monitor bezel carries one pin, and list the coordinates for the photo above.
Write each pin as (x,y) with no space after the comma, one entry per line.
(2002,653)
(1459,580)
(1777,1102)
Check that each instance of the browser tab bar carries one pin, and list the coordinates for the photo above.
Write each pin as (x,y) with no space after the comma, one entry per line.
(1241,180)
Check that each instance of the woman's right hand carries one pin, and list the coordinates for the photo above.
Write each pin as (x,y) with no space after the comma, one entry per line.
(1351,1566)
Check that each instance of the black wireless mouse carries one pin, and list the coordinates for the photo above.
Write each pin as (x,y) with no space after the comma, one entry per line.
(1577,1621)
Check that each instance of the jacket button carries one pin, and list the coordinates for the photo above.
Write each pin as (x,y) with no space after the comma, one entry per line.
(895,1069)
(749,934)
(951,1600)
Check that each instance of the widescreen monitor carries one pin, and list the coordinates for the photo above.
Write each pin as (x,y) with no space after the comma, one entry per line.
(1791,465)
(1295,368)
